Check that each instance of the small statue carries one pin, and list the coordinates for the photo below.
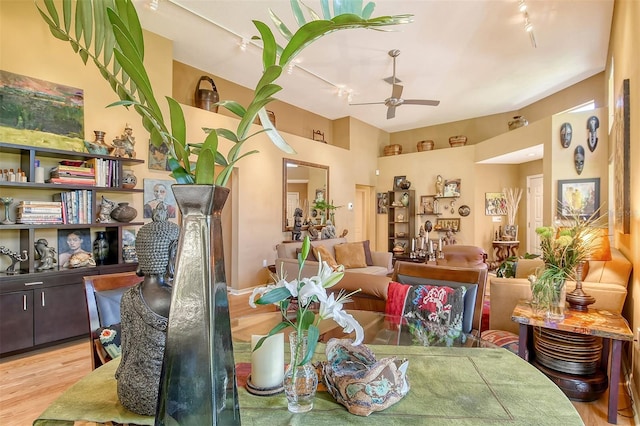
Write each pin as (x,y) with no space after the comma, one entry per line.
(439,186)
(344,233)
(106,207)
(421,233)
(81,259)
(15,258)
(125,144)
(46,255)
(313,232)
(329,231)
(297,224)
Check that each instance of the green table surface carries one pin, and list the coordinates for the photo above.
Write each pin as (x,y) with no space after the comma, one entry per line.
(449,386)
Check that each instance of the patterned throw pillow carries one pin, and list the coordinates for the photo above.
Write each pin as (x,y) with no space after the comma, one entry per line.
(110,340)
(433,314)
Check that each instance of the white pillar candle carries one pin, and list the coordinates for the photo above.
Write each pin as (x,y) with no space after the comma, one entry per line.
(267,363)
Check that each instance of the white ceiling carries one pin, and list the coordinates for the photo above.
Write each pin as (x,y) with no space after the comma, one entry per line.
(472,55)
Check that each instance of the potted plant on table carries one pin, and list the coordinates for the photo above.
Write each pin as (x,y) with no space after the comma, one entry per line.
(108,33)
(300,379)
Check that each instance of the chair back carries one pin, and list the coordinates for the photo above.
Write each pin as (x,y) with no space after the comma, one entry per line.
(103,293)
(473,279)
(463,256)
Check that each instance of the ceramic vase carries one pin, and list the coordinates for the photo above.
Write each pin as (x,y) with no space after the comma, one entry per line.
(101,248)
(300,381)
(129,179)
(124,213)
(198,380)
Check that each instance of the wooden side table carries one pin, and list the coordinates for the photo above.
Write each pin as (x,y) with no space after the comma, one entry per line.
(504,249)
(613,329)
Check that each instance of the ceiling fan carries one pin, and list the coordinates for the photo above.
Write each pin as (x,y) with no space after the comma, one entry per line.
(395,99)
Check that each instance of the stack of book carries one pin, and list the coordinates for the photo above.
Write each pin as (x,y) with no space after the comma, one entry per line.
(72,175)
(77,206)
(35,212)
(106,171)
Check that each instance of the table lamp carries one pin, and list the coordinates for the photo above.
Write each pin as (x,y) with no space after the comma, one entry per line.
(600,250)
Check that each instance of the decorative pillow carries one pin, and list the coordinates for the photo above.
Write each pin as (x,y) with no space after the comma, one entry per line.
(502,338)
(367,253)
(350,255)
(110,340)
(311,256)
(323,254)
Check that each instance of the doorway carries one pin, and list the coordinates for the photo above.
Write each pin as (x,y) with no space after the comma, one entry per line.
(535,198)
(363,217)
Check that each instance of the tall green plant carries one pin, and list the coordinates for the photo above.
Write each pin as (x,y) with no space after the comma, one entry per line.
(108,33)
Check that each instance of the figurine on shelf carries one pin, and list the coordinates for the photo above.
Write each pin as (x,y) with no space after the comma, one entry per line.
(439,186)
(45,254)
(297,224)
(124,145)
(313,232)
(15,258)
(329,231)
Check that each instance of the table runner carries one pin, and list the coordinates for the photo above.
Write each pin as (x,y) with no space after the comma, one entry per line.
(449,386)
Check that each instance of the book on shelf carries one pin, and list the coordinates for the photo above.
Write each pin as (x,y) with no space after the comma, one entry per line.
(40,203)
(72,181)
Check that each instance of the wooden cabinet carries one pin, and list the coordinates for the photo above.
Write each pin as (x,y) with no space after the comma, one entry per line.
(401,213)
(39,309)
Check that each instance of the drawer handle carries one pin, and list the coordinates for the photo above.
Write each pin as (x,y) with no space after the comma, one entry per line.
(42,298)
(24,302)
(34,283)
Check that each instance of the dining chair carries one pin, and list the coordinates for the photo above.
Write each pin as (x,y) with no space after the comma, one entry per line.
(473,279)
(103,294)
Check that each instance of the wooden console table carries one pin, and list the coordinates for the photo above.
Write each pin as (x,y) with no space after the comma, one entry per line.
(612,328)
(504,249)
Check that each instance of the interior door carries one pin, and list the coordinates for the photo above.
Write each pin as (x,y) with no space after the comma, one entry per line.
(293,201)
(535,197)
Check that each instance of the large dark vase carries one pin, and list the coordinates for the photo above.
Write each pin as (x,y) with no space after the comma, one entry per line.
(198,381)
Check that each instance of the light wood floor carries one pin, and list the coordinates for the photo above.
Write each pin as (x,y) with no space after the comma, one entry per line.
(30,382)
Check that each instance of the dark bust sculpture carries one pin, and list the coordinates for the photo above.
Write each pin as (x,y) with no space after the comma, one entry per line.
(144,311)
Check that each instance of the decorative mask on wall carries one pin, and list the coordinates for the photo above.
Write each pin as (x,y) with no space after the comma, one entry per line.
(592,125)
(565,134)
(578,158)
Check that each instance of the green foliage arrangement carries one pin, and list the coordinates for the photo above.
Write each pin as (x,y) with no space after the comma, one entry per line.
(108,33)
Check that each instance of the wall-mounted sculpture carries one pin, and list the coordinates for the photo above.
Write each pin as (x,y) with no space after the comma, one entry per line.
(565,134)
(578,158)
(592,125)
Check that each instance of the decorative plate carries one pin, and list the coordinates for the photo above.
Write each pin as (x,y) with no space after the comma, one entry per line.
(464,210)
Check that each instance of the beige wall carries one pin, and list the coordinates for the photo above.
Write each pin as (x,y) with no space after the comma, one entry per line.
(623,52)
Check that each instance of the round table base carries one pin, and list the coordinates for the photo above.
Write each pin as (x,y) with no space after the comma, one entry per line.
(577,387)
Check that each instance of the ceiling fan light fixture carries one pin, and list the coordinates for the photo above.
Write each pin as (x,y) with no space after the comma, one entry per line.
(154,4)
(522,6)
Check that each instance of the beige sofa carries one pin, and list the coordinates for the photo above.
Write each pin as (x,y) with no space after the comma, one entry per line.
(372,280)
(606,281)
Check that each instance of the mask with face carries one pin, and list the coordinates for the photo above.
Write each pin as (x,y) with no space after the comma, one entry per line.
(592,125)
(565,134)
(578,158)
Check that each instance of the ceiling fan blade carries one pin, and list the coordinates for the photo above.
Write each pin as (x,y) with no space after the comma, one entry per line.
(397,91)
(421,102)
(368,103)
(391,112)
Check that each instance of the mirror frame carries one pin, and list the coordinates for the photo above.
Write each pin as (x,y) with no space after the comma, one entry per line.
(286,228)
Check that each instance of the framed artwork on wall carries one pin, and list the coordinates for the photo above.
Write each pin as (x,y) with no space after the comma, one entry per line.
(452,188)
(396,182)
(156,191)
(426,204)
(446,224)
(579,197)
(495,204)
(383,202)
(73,242)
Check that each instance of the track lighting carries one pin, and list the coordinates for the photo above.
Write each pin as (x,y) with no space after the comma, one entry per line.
(522,6)
(528,26)
(243,44)
(153,5)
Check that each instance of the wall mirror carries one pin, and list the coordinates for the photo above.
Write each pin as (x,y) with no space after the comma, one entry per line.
(302,184)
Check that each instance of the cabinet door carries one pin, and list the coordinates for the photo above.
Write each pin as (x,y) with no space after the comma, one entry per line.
(16,321)
(60,313)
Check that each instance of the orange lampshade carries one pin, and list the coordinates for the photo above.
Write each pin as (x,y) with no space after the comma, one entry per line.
(600,248)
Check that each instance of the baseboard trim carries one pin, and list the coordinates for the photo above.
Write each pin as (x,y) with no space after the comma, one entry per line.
(627,373)
(234,292)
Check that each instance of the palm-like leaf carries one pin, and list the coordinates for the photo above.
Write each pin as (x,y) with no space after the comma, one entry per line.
(108,32)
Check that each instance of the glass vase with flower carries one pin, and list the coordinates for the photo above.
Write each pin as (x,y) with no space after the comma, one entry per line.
(564,248)
(300,379)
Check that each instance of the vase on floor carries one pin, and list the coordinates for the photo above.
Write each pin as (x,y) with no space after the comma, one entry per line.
(198,381)
(300,380)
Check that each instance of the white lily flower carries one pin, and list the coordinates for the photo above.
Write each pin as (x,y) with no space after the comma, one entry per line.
(349,324)
(291,286)
(309,289)
(259,291)
(327,276)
